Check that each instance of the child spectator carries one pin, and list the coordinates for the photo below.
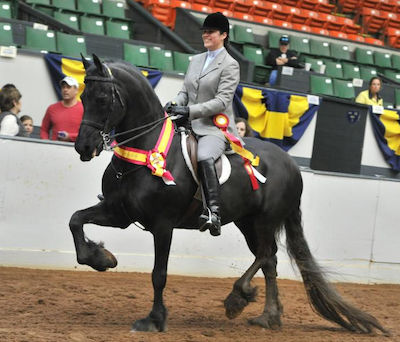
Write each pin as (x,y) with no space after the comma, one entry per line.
(27,122)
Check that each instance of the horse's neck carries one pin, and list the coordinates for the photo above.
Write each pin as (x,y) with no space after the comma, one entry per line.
(143,107)
(146,141)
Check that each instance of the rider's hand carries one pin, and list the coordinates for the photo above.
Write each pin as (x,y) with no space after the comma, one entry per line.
(168,106)
(182,114)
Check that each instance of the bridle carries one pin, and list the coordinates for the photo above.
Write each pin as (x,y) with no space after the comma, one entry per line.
(116,96)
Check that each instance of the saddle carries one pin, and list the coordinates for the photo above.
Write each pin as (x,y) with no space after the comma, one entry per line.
(189,151)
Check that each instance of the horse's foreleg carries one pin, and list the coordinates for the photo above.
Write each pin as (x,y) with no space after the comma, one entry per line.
(87,251)
(157,318)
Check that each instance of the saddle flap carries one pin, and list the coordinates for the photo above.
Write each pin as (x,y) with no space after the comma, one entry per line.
(189,150)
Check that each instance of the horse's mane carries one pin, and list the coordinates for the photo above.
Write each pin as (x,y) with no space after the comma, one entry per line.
(120,65)
(134,82)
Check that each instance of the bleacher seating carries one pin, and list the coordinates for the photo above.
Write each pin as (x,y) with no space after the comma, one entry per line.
(161,59)
(340,61)
(343,89)
(118,29)
(333,69)
(64,4)
(113,9)
(70,45)
(181,61)
(43,40)
(67,18)
(340,51)
(382,59)
(5,9)
(320,48)
(93,25)
(350,71)
(136,54)
(89,6)
(364,56)
(321,85)
(6,34)
(367,72)
(257,56)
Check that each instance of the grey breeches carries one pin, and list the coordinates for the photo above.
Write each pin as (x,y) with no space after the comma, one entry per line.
(210,146)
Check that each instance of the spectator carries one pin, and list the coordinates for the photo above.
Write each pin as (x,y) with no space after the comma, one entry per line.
(27,122)
(243,128)
(64,117)
(10,106)
(281,56)
(6,87)
(371,95)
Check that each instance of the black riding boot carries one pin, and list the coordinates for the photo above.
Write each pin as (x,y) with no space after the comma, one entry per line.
(210,219)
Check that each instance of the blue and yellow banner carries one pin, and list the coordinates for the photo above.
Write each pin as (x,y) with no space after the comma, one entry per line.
(387,132)
(60,66)
(276,116)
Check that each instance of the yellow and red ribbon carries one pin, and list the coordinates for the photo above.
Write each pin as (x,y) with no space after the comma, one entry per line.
(155,159)
(222,122)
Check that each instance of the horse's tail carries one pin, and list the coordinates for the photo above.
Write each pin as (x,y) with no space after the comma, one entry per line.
(323,297)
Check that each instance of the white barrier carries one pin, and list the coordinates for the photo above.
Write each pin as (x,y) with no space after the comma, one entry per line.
(350,223)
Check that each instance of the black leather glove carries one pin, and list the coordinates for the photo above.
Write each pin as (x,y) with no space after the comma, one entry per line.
(168,106)
(182,113)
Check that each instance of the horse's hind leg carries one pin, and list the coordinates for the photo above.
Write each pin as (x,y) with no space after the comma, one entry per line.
(271,316)
(261,241)
(242,292)
(87,251)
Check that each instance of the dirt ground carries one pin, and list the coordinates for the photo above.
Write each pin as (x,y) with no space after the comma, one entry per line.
(78,306)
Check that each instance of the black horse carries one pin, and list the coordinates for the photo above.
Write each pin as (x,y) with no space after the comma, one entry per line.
(118,98)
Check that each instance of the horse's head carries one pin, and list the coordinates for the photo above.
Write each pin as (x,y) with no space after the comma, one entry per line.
(103,107)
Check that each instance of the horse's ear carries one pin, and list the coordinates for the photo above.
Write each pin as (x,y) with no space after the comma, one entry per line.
(98,64)
(85,62)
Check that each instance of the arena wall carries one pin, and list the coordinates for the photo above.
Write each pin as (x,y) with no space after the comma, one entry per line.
(350,222)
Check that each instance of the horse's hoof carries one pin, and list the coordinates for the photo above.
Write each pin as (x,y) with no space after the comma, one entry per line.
(234,305)
(266,321)
(111,260)
(146,324)
(100,259)
(103,260)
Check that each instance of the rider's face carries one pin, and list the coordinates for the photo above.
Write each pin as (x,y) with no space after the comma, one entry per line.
(213,39)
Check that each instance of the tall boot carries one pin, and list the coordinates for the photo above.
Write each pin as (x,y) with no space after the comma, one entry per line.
(210,219)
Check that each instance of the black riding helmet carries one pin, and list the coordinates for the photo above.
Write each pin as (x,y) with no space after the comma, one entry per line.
(216,21)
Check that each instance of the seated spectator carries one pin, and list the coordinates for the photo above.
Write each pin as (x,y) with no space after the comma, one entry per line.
(281,56)
(64,117)
(27,122)
(371,95)
(243,128)
(10,106)
(5,87)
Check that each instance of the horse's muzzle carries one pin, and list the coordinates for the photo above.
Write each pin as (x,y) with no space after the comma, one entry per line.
(89,143)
